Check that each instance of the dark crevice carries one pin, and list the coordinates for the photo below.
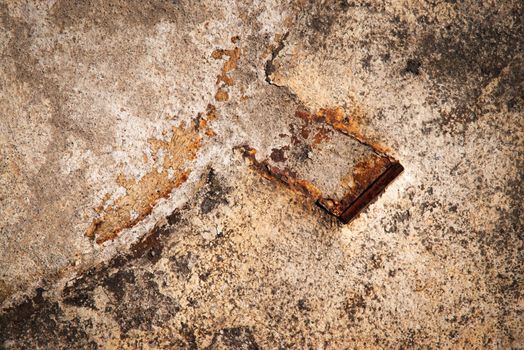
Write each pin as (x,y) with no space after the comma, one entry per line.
(270,67)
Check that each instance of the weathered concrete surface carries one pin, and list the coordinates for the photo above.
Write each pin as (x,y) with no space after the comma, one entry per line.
(129,218)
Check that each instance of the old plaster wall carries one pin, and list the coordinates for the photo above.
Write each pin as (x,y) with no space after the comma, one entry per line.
(130,218)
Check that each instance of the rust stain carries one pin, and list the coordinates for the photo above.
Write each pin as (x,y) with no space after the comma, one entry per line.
(365,181)
(286,175)
(278,155)
(143,194)
(221,95)
(332,116)
(371,193)
(362,176)
(321,136)
(294,139)
(201,123)
(211,112)
(366,171)
(304,132)
(231,63)
(346,123)
(105,198)
(224,80)
(227,80)
(235,39)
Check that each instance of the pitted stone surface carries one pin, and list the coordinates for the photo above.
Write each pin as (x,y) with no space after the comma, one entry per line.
(92,93)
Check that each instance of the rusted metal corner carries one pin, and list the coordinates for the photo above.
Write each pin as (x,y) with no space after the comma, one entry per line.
(371,193)
(343,184)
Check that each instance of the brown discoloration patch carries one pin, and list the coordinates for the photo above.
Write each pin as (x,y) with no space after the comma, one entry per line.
(5,291)
(142,195)
(227,80)
(211,112)
(341,121)
(368,170)
(150,246)
(230,65)
(278,155)
(286,176)
(331,116)
(221,95)
(304,132)
(224,80)
(322,135)
(105,14)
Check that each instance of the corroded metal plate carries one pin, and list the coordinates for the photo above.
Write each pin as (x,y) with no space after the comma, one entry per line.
(342,174)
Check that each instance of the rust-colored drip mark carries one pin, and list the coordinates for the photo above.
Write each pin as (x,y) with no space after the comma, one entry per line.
(224,80)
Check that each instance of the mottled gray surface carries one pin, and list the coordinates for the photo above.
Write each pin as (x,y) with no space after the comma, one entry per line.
(90,92)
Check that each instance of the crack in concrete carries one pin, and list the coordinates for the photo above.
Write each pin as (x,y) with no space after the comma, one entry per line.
(269,67)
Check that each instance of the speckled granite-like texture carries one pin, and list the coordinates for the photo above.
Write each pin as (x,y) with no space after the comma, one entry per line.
(130,218)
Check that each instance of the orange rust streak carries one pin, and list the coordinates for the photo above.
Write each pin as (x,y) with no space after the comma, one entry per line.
(226,79)
(142,195)
(284,176)
(339,121)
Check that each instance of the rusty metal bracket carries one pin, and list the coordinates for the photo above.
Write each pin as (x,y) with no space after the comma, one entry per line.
(340,173)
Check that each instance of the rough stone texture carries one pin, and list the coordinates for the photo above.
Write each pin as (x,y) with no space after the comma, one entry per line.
(130,219)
